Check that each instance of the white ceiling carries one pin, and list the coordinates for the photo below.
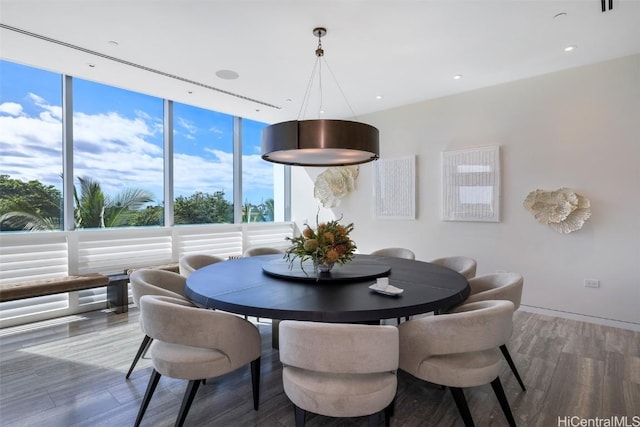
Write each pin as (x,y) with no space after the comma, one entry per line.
(404,51)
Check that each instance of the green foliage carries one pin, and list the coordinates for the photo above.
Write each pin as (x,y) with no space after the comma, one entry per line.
(39,205)
(264,212)
(33,206)
(203,208)
(151,215)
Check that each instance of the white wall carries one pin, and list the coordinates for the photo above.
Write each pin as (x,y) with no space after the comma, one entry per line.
(578,128)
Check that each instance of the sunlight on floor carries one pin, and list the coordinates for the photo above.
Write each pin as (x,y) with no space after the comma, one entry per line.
(42,324)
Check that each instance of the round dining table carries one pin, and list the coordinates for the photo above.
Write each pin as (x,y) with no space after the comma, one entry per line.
(267,286)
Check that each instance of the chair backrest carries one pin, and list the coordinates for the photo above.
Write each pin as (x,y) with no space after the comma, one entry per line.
(462,264)
(395,252)
(156,282)
(262,251)
(497,286)
(339,348)
(177,321)
(190,263)
(469,328)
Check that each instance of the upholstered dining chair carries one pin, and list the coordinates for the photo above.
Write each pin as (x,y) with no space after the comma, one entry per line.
(459,350)
(191,262)
(339,370)
(499,286)
(262,250)
(194,344)
(395,252)
(153,282)
(462,264)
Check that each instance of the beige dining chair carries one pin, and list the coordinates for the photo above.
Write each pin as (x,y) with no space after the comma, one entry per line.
(262,250)
(395,252)
(499,286)
(153,282)
(462,264)
(339,370)
(194,344)
(459,350)
(192,262)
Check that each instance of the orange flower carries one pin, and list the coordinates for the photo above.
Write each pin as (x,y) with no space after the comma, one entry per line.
(331,255)
(311,245)
(329,237)
(308,232)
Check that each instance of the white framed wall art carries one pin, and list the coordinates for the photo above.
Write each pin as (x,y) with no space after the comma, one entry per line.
(394,188)
(471,184)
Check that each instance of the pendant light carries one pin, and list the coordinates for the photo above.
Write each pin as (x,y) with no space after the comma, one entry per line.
(320,142)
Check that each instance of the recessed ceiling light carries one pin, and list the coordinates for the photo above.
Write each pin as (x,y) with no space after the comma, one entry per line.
(91,65)
(570,48)
(378,96)
(457,77)
(113,43)
(560,15)
(227,74)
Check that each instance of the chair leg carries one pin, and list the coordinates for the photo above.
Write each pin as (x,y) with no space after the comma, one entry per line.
(151,387)
(507,356)
(389,411)
(144,345)
(300,415)
(504,403)
(461,403)
(189,394)
(255,382)
(373,420)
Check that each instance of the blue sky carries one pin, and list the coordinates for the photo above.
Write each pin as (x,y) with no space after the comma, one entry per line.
(118,138)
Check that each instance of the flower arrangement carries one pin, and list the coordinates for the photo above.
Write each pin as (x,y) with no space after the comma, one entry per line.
(327,245)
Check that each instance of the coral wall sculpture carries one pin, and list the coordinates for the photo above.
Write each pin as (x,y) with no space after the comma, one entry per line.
(334,184)
(563,210)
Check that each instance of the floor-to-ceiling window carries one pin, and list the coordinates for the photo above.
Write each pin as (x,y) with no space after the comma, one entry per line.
(257,176)
(203,165)
(30,148)
(117,156)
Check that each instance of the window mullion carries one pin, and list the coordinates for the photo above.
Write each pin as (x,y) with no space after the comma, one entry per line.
(237,170)
(67,153)
(168,163)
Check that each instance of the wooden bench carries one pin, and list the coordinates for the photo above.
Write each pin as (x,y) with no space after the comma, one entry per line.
(58,285)
(117,287)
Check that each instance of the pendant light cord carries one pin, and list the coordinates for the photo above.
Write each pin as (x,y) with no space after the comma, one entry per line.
(317,67)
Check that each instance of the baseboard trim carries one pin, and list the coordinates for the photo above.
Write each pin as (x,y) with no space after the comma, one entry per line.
(582,317)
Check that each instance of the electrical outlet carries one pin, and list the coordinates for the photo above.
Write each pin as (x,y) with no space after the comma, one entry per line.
(591,283)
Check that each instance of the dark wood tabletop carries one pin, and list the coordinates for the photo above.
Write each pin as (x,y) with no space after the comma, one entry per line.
(242,286)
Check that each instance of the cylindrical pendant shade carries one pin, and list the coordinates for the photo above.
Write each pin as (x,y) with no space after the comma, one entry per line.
(320,143)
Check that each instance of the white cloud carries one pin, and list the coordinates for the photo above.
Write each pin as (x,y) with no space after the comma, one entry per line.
(117,151)
(11,108)
(187,125)
(54,111)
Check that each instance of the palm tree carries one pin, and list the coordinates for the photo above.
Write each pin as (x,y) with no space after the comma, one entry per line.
(93,208)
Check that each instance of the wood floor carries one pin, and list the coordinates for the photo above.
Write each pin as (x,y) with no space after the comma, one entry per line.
(70,372)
